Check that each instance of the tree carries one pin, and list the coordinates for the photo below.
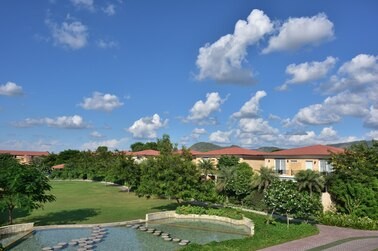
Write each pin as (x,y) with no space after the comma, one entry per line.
(206,166)
(227,161)
(266,178)
(240,183)
(310,180)
(22,186)
(353,184)
(224,177)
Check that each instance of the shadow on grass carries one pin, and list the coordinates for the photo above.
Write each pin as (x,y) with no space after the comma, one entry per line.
(168,207)
(65,217)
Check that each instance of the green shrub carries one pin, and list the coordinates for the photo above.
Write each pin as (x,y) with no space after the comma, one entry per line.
(223,212)
(345,220)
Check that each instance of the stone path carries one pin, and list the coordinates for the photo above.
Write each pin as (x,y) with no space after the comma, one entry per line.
(332,239)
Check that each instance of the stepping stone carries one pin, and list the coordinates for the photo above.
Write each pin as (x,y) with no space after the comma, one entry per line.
(57,247)
(72,243)
(88,246)
(62,244)
(183,243)
(156,234)
(167,238)
(90,242)
(47,249)
(82,249)
(176,239)
(129,225)
(186,241)
(97,240)
(150,229)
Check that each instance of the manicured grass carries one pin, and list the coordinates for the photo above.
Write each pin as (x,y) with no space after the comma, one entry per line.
(265,236)
(89,202)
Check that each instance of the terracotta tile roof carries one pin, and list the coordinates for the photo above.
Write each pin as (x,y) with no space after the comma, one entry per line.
(24,153)
(60,166)
(315,150)
(232,151)
(144,153)
(193,152)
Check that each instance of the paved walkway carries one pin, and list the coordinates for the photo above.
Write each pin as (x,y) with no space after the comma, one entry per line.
(332,239)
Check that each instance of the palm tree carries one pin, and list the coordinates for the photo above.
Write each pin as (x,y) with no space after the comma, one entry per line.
(310,180)
(225,175)
(206,166)
(266,177)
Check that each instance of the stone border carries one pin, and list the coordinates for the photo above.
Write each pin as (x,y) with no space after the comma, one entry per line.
(111,224)
(172,214)
(12,229)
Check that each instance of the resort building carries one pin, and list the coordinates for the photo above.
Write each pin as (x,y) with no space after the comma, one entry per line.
(289,162)
(24,157)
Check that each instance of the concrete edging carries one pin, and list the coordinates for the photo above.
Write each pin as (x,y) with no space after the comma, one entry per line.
(172,214)
(12,229)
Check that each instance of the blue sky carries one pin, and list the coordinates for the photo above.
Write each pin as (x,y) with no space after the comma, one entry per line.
(77,74)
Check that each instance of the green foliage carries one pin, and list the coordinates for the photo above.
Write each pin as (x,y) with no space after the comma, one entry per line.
(267,176)
(240,183)
(223,212)
(139,146)
(206,166)
(347,220)
(168,175)
(282,197)
(310,181)
(227,161)
(354,182)
(22,186)
(255,200)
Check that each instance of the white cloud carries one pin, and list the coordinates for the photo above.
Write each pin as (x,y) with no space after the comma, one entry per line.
(308,71)
(256,126)
(333,109)
(372,118)
(357,74)
(72,34)
(222,60)
(328,133)
(109,10)
(198,132)
(251,108)
(11,89)
(107,44)
(34,145)
(299,32)
(146,127)
(68,122)
(85,4)
(220,137)
(101,102)
(308,138)
(111,144)
(96,134)
(372,135)
(201,111)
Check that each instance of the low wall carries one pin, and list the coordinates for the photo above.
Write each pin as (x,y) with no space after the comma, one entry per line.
(112,224)
(172,214)
(12,229)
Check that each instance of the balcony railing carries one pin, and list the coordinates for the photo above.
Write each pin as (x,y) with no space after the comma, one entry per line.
(290,172)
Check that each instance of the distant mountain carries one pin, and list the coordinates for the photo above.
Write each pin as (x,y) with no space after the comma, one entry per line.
(349,144)
(204,147)
(269,149)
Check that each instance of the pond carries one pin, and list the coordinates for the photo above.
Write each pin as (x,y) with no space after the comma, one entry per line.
(139,237)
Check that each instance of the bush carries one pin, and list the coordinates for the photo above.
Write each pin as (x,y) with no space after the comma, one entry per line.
(223,212)
(346,220)
(255,200)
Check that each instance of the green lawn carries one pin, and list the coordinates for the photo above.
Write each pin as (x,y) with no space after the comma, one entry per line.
(90,202)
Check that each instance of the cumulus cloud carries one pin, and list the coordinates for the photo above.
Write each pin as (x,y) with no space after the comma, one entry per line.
(296,33)
(256,126)
(198,132)
(372,135)
(222,61)
(69,34)
(109,10)
(84,4)
(146,127)
(11,89)
(68,122)
(372,118)
(357,74)
(111,144)
(221,137)
(201,111)
(251,108)
(101,102)
(308,71)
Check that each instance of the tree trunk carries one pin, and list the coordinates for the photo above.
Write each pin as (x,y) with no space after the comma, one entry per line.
(287,220)
(178,200)
(10,215)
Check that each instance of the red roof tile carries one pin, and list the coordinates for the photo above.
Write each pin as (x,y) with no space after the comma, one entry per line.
(232,151)
(60,166)
(145,153)
(24,153)
(316,150)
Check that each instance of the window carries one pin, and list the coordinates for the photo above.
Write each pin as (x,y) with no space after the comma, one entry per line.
(324,166)
(280,166)
(309,164)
